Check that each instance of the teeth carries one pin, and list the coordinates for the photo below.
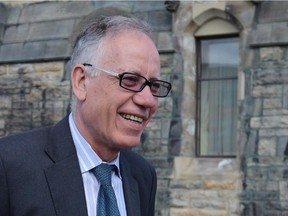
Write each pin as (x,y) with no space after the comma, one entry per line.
(132,118)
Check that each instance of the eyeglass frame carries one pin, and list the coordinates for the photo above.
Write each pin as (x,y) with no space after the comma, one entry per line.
(120,76)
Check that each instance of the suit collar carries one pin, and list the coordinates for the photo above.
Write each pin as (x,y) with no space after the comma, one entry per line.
(130,188)
(60,145)
(64,177)
(65,180)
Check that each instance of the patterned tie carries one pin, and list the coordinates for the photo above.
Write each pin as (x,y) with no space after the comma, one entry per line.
(106,203)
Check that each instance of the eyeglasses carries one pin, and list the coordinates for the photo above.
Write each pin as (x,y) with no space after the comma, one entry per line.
(136,83)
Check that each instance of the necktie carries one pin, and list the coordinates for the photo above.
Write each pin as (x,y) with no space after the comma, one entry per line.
(106,202)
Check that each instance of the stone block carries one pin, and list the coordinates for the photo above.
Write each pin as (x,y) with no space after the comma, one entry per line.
(180,198)
(153,148)
(3,13)
(183,212)
(212,212)
(273,132)
(55,10)
(267,13)
(16,34)
(11,52)
(269,122)
(2,29)
(14,14)
(160,20)
(270,76)
(165,42)
(243,12)
(185,184)
(2,124)
(184,167)
(33,50)
(3,17)
(164,106)
(20,69)
(61,93)
(251,142)
(165,128)
(35,95)
(3,70)
(148,6)
(174,147)
(37,50)
(266,195)
(277,173)
(261,36)
(269,34)
(275,112)
(57,49)
(272,103)
(262,185)
(220,185)
(285,96)
(51,30)
(267,147)
(271,54)
(255,173)
(281,145)
(163,197)
(267,91)
(125,6)
(279,32)
(55,66)
(175,128)
(6,102)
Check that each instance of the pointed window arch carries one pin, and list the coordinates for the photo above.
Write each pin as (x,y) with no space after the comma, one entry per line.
(217,48)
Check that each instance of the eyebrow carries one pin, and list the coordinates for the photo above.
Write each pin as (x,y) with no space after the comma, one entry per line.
(139,73)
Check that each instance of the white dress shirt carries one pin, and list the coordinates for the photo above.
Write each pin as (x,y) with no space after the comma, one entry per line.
(88,160)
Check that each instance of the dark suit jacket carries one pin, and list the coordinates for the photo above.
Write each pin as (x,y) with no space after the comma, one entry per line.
(40,175)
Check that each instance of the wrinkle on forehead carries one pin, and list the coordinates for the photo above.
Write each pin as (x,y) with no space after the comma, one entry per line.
(126,52)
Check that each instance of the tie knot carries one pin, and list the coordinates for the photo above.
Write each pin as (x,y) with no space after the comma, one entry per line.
(103,173)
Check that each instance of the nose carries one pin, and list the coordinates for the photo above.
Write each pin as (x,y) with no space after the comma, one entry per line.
(145,98)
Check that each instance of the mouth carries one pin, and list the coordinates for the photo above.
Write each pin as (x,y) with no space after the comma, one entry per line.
(132,118)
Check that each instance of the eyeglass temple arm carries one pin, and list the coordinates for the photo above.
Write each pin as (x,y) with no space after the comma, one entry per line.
(103,70)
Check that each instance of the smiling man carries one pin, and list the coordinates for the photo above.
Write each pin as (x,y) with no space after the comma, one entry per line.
(83,165)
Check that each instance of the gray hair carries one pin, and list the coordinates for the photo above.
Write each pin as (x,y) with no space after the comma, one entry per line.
(88,44)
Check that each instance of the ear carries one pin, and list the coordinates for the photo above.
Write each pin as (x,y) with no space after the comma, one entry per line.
(78,81)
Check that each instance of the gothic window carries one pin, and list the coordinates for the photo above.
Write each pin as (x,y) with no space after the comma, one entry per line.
(217,69)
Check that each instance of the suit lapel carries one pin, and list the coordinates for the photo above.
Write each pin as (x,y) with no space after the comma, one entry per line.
(130,188)
(64,176)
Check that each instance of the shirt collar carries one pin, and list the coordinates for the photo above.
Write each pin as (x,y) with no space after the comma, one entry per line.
(87,157)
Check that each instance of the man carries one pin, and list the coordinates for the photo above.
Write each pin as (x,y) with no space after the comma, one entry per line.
(115,81)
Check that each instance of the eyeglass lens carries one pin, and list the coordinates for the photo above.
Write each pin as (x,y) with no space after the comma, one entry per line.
(137,83)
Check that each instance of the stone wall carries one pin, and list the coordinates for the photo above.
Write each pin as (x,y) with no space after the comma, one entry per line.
(32,95)
(254,183)
(35,91)
(34,70)
(266,115)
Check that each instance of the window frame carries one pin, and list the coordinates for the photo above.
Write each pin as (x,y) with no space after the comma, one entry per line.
(198,92)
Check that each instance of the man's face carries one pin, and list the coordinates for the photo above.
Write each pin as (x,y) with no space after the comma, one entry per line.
(113,117)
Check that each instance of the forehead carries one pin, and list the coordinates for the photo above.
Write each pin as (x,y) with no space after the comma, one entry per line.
(131,50)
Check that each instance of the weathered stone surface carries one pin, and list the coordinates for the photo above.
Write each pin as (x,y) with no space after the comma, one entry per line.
(38,12)
(220,185)
(183,212)
(37,93)
(269,122)
(50,30)
(267,147)
(16,34)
